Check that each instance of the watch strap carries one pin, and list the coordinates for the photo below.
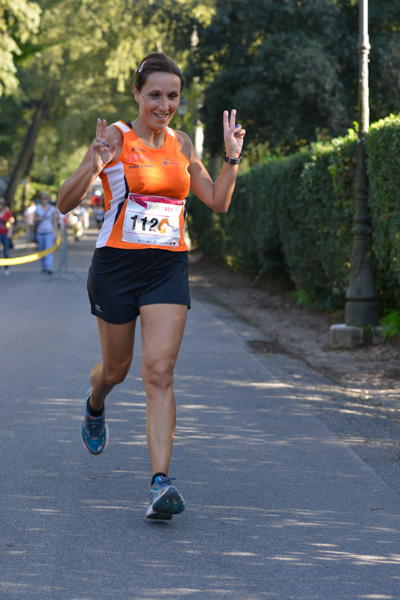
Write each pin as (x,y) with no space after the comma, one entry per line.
(232,161)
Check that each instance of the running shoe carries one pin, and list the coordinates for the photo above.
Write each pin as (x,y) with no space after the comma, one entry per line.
(94,430)
(165,500)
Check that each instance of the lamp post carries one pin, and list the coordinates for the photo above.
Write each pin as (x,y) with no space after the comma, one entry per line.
(362,306)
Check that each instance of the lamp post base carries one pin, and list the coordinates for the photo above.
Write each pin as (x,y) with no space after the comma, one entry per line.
(350,336)
(359,313)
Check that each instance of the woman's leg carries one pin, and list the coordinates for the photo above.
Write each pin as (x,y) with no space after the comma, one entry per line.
(117,341)
(48,242)
(41,242)
(4,241)
(162,330)
(6,244)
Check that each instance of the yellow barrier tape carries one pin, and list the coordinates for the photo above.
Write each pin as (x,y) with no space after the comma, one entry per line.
(5,262)
(18,235)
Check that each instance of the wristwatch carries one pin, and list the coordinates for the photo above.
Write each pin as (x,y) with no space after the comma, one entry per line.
(232,161)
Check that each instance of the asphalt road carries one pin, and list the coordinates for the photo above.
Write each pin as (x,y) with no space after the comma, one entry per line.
(278,507)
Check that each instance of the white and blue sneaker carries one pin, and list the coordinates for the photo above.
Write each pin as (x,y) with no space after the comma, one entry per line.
(165,500)
(94,429)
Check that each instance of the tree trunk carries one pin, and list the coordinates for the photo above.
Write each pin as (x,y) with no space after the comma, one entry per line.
(27,148)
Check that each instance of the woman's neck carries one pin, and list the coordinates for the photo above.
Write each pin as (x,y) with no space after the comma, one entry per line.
(153,138)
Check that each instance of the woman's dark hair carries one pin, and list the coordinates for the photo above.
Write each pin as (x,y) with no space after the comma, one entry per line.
(156,62)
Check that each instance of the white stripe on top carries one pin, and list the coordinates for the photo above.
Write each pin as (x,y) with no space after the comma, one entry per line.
(116,181)
(122,125)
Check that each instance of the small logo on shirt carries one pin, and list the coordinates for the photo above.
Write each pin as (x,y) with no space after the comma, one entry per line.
(97,308)
(137,154)
(141,167)
(168,161)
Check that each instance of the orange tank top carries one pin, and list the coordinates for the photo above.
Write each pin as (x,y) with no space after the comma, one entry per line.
(145,193)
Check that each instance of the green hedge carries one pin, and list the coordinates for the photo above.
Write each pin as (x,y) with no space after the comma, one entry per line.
(294,216)
(383,148)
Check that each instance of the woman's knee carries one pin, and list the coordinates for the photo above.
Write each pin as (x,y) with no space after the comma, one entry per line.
(115,374)
(158,373)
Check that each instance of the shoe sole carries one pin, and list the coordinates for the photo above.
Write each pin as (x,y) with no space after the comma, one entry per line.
(159,516)
(169,503)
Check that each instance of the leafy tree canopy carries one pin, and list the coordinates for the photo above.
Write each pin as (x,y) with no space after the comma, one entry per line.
(290,67)
(19,19)
(82,60)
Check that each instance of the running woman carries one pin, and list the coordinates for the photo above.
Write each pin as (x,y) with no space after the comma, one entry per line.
(140,264)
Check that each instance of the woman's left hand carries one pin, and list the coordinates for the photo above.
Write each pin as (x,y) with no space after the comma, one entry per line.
(233,135)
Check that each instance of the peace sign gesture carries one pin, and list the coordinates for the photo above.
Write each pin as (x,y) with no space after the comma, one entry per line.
(233,135)
(102,151)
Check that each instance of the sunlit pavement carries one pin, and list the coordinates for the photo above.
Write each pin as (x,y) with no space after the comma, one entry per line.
(277,506)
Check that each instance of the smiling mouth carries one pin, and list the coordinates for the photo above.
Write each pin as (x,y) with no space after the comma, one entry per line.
(163,116)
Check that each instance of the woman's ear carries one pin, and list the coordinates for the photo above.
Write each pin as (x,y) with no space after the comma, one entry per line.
(135,92)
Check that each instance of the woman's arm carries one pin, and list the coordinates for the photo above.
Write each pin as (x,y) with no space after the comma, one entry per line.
(103,150)
(218,195)
(11,222)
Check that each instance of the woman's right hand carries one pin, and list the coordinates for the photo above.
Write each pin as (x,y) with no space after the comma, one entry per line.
(103,151)
(100,153)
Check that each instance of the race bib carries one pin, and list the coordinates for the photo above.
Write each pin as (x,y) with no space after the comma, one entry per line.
(152,220)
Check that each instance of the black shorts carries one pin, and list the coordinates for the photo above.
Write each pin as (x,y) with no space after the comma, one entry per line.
(121,281)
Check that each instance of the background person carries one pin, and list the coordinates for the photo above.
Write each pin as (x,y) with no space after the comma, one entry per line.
(29,218)
(46,230)
(99,215)
(140,265)
(6,229)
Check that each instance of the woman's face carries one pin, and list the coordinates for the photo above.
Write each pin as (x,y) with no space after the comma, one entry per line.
(158,99)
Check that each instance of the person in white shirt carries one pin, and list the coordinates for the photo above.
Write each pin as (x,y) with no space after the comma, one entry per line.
(29,218)
(46,230)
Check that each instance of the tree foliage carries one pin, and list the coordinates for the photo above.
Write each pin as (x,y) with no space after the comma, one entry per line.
(290,67)
(81,63)
(19,19)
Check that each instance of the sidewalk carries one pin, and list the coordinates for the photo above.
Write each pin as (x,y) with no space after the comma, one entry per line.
(277,506)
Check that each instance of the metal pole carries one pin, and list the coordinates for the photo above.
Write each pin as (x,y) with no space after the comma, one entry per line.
(63,271)
(362,306)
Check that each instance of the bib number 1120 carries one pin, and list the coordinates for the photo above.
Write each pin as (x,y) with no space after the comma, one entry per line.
(146,224)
